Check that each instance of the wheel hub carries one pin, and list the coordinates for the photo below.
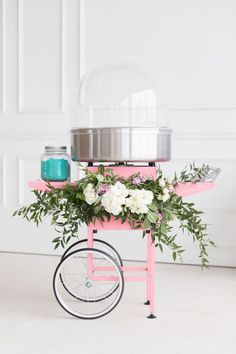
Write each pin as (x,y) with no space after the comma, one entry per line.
(88,284)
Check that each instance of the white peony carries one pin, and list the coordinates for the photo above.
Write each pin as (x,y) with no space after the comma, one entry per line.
(139,200)
(114,199)
(147,196)
(111,203)
(119,189)
(90,194)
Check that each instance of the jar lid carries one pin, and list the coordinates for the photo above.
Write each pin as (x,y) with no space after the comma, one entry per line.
(55,148)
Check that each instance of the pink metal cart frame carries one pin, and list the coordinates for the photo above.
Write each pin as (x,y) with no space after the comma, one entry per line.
(148,268)
(183,189)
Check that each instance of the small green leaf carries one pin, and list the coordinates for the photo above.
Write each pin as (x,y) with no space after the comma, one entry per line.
(56,245)
(152,216)
(146,223)
(153,207)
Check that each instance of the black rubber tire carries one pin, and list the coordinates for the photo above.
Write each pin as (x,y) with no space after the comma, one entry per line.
(96,240)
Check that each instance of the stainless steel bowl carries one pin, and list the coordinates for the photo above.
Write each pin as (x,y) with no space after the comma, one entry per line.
(121,144)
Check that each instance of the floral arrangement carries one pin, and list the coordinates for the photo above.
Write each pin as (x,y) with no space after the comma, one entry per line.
(141,200)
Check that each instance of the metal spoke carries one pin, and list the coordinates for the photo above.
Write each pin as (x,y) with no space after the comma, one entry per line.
(96,297)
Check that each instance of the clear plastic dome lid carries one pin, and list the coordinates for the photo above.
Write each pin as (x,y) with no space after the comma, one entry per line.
(118,96)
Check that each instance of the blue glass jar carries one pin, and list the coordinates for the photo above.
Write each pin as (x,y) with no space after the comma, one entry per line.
(55,164)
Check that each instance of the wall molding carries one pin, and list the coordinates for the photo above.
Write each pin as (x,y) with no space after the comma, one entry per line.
(3,181)
(175,136)
(21,177)
(32,136)
(220,211)
(230,161)
(20,172)
(202,108)
(203,136)
(21,99)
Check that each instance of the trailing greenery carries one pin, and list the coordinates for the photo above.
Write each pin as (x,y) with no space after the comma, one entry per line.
(192,173)
(142,201)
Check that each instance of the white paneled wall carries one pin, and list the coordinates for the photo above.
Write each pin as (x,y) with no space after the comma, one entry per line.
(41,29)
(188,48)
(39,72)
(2,181)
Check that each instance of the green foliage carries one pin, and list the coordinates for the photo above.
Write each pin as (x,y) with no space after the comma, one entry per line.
(67,208)
(191,173)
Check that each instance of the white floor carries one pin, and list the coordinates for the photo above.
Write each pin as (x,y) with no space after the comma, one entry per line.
(196,313)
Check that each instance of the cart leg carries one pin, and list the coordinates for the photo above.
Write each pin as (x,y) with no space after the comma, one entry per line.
(90,256)
(151,275)
(148,270)
(90,237)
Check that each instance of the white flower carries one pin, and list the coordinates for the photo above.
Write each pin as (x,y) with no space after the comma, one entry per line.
(139,200)
(165,191)
(171,188)
(165,197)
(147,196)
(90,195)
(162,182)
(100,178)
(119,189)
(114,198)
(111,203)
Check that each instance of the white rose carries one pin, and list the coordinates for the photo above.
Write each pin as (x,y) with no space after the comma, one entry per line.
(135,206)
(90,195)
(100,178)
(165,197)
(166,191)
(119,189)
(114,198)
(162,182)
(139,200)
(91,198)
(147,196)
(111,203)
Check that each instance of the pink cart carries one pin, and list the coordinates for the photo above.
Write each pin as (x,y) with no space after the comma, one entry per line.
(89,280)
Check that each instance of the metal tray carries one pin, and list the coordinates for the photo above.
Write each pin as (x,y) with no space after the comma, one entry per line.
(121,144)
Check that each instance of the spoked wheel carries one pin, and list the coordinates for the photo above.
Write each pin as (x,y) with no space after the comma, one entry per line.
(102,246)
(90,274)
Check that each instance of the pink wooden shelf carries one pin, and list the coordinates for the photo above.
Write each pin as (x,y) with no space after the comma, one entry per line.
(189,188)
(183,189)
(43,185)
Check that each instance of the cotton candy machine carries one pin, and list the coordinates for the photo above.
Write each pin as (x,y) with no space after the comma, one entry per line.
(119,119)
